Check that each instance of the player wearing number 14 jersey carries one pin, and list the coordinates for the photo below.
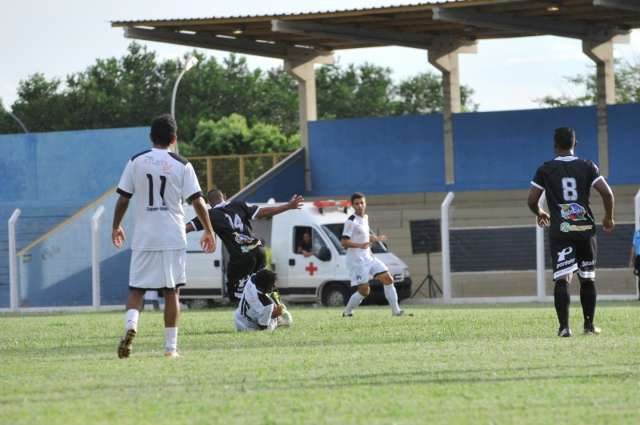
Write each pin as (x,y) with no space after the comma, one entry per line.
(566,181)
(232,222)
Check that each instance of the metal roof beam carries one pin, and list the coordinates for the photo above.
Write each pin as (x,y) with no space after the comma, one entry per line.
(532,24)
(632,5)
(249,47)
(384,37)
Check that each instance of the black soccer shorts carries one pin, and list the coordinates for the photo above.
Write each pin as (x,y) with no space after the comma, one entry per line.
(569,255)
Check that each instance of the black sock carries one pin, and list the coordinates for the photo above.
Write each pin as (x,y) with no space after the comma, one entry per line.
(562,300)
(588,300)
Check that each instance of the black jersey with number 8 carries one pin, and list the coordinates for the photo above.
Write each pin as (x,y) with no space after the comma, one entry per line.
(567,182)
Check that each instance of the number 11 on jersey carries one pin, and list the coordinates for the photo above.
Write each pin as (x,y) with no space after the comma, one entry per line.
(163,184)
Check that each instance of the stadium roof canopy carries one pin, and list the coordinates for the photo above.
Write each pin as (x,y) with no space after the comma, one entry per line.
(420,25)
(444,29)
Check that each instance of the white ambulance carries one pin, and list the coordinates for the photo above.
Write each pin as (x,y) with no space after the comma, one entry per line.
(320,276)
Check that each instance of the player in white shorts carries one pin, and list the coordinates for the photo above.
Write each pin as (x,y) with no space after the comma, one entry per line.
(356,238)
(158,180)
(258,310)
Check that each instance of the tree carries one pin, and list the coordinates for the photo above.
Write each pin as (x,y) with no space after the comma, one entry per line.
(353,91)
(232,135)
(131,90)
(422,94)
(627,77)
(40,106)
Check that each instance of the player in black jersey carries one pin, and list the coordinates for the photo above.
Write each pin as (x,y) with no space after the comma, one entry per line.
(566,180)
(232,223)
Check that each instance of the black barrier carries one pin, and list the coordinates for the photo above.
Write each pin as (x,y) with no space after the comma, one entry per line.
(425,239)
(425,236)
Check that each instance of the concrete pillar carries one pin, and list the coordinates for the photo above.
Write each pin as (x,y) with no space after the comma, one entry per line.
(601,52)
(304,74)
(447,63)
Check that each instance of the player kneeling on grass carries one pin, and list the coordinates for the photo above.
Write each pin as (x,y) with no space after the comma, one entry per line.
(260,308)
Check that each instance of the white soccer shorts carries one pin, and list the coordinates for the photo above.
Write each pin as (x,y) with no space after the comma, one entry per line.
(360,272)
(158,269)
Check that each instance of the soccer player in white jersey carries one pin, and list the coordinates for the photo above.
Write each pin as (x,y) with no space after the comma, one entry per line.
(257,309)
(356,238)
(158,180)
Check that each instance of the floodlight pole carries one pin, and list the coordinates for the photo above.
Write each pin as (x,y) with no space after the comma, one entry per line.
(191,62)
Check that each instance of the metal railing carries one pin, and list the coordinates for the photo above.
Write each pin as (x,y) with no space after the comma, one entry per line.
(231,173)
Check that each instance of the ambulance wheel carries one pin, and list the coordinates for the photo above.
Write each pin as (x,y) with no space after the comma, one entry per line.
(335,295)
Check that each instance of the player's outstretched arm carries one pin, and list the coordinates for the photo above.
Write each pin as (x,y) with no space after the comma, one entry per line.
(117,232)
(606,193)
(534,198)
(208,239)
(294,203)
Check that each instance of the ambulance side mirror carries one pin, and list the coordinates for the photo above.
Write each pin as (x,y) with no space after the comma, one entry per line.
(324,254)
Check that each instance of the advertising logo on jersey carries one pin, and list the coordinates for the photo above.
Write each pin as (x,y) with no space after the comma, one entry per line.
(566,227)
(573,212)
(247,243)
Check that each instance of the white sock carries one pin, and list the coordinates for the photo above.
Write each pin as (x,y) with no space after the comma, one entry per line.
(392,296)
(131,319)
(354,302)
(170,339)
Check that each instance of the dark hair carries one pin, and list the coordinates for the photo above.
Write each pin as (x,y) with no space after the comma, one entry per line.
(163,129)
(356,195)
(215,196)
(564,137)
(265,280)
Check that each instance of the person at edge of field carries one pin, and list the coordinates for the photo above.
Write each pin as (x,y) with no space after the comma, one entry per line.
(158,180)
(257,309)
(356,238)
(567,180)
(232,223)
(634,261)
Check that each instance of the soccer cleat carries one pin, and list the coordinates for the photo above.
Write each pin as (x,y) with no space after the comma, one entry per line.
(398,313)
(591,329)
(565,332)
(172,354)
(124,348)
(285,320)
(345,314)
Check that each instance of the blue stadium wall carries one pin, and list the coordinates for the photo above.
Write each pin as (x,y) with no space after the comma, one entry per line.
(49,176)
(492,150)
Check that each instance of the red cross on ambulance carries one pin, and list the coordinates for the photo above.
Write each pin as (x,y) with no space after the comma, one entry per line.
(311,268)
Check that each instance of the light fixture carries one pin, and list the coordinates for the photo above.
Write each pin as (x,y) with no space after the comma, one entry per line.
(553,9)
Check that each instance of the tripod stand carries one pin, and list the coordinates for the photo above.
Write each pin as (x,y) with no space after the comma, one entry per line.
(433,286)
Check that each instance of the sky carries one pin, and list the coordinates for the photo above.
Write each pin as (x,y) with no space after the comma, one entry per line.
(60,37)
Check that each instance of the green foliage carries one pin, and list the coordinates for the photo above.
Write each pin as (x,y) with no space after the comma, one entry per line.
(627,76)
(131,90)
(232,135)
(422,94)
(445,365)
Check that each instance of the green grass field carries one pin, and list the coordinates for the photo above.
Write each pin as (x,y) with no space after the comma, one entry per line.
(449,365)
